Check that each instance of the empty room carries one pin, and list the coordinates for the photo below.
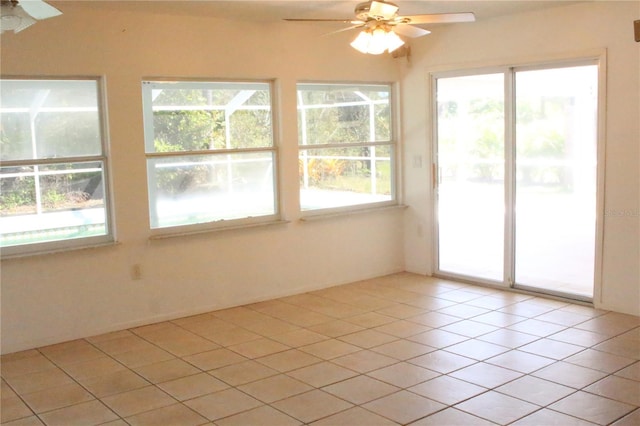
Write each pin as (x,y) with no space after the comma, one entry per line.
(320,212)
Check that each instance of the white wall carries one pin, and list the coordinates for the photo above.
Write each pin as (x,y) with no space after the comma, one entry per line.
(56,297)
(565,31)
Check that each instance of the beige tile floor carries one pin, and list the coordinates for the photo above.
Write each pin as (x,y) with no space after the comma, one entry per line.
(401,349)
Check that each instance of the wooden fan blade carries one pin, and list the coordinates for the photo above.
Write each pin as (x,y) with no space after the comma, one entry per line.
(409,31)
(39,9)
(438,18)
(385,11)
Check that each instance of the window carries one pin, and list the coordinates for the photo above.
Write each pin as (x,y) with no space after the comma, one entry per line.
(210,152)
(53,179)
(346,146)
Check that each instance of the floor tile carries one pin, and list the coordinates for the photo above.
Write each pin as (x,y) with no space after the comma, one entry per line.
(166,370)
(579,337)
(437,338)
(26,365)
(508,338)
(403,374)
(40,380)
(569,375)
(452,417)
(322,374)
(476,349)
(275,388)
(618,388)
(403,349)
(434,319)
(176,414)
(361,389)
(258,347)
(329,349)
(592,408)
(263,416)
(404,407)
(192,386)
(547,417)
(12,409)
(214,359)
(368,338)
(370,319)
(222,404)
(597,360)
(470,328)
(93,368)
(336,328)
(464,311)
(135,358)
(560,317)
(442,361)
(299,337)
(631,372)
(58,397)
(632,419)
(537,391)
(486,375)
(365,361)
(113,383)
(628,348)
(551,348)
(537,327)
(447,390)
(28,421)
(355,416)
(520,361)
(86,413)
(137,401)
(243,372)
(289,360)
(312,406)
(402,328)
(498,408)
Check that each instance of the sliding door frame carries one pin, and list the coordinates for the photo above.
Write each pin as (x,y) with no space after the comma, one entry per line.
(598,59)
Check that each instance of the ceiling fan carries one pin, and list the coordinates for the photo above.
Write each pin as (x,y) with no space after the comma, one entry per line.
(381,25)
(18,15)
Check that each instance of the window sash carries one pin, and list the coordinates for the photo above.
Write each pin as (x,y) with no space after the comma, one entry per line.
(62,237)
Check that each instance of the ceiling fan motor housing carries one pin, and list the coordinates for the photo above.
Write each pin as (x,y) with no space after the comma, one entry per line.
(363,11)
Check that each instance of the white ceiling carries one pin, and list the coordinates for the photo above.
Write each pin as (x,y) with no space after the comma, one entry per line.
(266,10)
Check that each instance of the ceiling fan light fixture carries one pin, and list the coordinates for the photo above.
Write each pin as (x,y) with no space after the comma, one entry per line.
(14,18)
(377,40)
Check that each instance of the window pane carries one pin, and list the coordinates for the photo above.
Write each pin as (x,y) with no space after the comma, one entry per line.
(196,189)
(330,114)
(52,203)
(337,177)
(556,154)
(192,116)
(471,173)
(49,119)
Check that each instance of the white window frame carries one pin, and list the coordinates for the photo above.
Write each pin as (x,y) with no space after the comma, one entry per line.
(391,143)
(148,84)
(83,242)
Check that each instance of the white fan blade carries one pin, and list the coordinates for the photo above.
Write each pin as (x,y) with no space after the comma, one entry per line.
(39,9)
(353,27)
(410,31)
(438,18)
(382,10)
(346,21)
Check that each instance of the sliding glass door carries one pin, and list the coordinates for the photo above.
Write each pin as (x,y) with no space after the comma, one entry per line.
(470,136)
(516,155)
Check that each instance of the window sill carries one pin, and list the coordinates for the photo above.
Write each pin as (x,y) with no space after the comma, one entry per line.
(178,234)
(47,252)
(334,215)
